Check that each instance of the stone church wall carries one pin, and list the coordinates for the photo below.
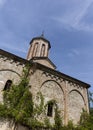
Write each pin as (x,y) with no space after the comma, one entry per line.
(70,96)
(9,69)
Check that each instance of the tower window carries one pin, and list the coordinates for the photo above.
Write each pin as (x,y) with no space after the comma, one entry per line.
(50,109)
(43,50)
(8,85)
(35,50)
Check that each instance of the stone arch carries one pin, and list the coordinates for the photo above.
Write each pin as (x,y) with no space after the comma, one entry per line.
(11,71)
(55,82)
(79,93)
(8,74)
(76,103)
(51,90)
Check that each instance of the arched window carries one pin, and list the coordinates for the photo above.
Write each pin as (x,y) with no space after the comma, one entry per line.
(7,85)
(50,109)
(42,50)
(35,50)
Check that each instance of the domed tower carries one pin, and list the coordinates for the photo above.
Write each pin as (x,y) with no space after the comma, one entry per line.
(39,50)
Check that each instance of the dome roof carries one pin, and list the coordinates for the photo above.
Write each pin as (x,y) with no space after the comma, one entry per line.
(42,38)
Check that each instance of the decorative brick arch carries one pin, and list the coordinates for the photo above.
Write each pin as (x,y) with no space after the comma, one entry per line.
(8,74)
(76,103)
(79,93)
(11,71)
(55,82)
(51,90)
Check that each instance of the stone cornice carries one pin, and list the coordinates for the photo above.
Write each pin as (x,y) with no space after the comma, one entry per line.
(12,57)
(62,75)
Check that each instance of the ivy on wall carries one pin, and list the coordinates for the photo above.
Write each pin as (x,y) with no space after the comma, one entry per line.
(18,105)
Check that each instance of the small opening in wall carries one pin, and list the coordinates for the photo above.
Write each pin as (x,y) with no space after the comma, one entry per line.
(34,53)
(42,51)
(7,85)
(50,109)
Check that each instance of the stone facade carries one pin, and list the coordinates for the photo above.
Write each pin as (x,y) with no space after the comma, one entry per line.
(70,94)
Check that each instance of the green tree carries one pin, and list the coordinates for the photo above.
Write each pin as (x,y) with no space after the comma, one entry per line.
(18,104)
(58,120)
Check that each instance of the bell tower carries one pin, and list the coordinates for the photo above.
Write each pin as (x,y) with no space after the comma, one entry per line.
(39,51)
(39,47)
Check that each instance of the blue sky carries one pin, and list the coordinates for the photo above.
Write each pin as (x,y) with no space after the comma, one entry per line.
(67,24)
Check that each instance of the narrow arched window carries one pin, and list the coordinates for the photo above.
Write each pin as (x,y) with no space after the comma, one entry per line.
(50,109)
(42,50)
(7,85)
(35,50)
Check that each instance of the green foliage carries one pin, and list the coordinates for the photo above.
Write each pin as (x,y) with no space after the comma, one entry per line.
(52,101)
(47,123)
(38,108)
(91,98)
(58,120)
(86,121)
(91,111)
(18,105)
(70,125)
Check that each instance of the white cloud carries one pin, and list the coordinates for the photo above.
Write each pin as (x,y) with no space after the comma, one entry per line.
(76,52)
(82,11)
(72,18)
(73,53)
(14,48)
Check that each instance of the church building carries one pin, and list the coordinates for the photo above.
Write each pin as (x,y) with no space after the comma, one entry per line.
(70,94)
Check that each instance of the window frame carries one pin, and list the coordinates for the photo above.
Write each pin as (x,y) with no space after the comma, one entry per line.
(7,85)
(50,107)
